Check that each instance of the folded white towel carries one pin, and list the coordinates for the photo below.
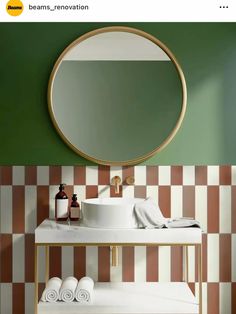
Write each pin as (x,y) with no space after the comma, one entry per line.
(84,290)
(51,292)
(67,290)
(149,215)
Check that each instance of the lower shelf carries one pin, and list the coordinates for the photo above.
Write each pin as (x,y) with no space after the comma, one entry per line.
(131,298)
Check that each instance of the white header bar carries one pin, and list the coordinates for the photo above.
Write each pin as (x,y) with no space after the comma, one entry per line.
(118,11)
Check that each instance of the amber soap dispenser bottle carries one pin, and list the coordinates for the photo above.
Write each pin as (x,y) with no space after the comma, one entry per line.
(74,209)
(61,204)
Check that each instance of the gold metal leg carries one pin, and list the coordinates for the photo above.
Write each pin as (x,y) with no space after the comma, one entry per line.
(200,276)
(114,256)
(186,263)
(36,278)
(46,264)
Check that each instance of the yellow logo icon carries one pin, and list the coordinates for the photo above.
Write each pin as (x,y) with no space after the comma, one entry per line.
(14,7)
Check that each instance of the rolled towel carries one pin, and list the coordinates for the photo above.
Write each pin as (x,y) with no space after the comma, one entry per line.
(51,292)
(67,290)
(84,290)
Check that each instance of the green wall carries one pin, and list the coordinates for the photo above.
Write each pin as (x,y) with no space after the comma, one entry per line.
(206,52)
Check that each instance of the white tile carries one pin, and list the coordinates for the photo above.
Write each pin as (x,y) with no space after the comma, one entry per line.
(233,262)
(152,191)
(42,175)
(116,271)
(225,298)
(53,190)
(213,175)
(18,258)
(140,175)
(18,175)
(233,175)
(201,206)
(91,175)
(92,262)
(30,208)
(191,264)
(6,294)
(225,209)
(164,265)
(6,209)
(164,175)
(81,192)
(128,191)
(67,175)
(140,264)
(176,201)
(204,296)
(67,261)
(103,191)
(213,257)
(29,298)
(188,175)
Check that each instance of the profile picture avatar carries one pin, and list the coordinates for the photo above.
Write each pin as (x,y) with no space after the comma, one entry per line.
(14,7)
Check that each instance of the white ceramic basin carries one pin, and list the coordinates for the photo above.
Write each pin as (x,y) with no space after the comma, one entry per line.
(114,212)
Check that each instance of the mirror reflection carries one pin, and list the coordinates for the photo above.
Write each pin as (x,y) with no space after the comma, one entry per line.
(116,97)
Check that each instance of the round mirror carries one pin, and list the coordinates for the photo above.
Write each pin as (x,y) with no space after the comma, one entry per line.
(117,96)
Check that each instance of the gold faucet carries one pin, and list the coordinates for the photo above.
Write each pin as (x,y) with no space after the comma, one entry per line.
(116,181)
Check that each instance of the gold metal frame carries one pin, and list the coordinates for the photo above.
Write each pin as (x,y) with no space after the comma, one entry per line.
(158,43)
(198,249)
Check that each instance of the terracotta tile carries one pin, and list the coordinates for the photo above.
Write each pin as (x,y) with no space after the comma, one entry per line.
(103,175)
(127,171)
(18,296)
(104,264)
(80,262)
(55,175)
(79,175)
(18,209)
(176,263)
(140,191)
(55,262)
(128,264)
(213,296)
(225,175)
(213,209)
(31,175)
(164,200)
(29,257)
(201,175)
(225,257)
(152,263)
(189,201)
(6,258)
(91,191)
(112,191)
(6,175)
(152,175)
(176,175)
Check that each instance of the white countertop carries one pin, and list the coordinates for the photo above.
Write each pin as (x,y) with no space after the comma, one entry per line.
(50,231)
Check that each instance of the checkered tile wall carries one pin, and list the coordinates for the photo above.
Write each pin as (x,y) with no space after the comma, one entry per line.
(207,193)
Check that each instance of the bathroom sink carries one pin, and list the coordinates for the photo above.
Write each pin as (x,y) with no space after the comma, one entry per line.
(114,212)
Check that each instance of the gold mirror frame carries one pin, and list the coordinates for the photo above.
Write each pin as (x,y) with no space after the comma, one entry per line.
(158,43)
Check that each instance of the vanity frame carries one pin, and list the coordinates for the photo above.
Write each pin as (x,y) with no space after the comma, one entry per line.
(185,246)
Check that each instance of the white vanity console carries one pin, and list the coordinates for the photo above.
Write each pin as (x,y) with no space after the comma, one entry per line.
(122,298)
